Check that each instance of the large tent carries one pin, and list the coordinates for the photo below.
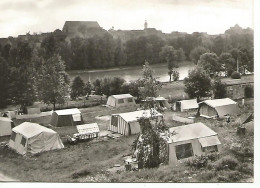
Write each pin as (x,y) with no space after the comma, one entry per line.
(122,100)
(127,123)
(68,117)
(34,138)
(6,126)
(218,108)
(191,140)
(185,105)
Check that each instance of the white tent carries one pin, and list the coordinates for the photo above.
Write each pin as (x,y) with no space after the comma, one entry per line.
(6,125)
(127,123)
(190,140)
(34,138)
(121,100)
(218,108)
(87,131)
(185,105)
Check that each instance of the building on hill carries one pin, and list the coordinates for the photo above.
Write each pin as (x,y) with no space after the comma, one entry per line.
(84,29)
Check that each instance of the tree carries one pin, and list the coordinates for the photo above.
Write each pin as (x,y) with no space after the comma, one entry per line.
(116,85)
(150,86)
(168,55)
(97,86)
(105,86)
(196,53)
(198,83)
(77,88)
(228,62)
(4,71)
(52,81)
(175,75)
(210,63)
(219,89)
(88,88)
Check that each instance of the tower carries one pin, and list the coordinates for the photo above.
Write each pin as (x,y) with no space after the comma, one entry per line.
(145,25)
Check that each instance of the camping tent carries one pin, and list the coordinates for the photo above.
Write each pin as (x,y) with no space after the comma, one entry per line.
(34,138)
(121,100)
(68,117)
(218,108)
(33,110)
(185,105)
(190,140)
(127,123)
(6,126)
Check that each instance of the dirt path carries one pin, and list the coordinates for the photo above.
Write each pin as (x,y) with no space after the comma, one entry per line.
(6,178)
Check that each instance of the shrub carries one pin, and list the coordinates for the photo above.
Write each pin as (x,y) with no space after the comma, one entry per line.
(229,176)
(249,91)
(206,176)
(226,162)
(198,162)
(235,75)
(246,168)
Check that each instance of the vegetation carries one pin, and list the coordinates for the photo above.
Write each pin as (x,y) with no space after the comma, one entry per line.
(196,53)
(235,75)
(77,88)
(219,89)
(249,91)
(198,83)
(210,63)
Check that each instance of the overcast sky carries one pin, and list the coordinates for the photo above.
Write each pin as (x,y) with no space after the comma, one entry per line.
(211,16)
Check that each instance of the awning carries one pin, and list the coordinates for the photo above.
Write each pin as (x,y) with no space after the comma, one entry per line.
(209,141)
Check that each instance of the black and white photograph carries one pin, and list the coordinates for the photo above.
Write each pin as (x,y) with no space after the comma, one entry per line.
(127,91)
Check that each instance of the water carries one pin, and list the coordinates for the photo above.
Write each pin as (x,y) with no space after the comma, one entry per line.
(131,73)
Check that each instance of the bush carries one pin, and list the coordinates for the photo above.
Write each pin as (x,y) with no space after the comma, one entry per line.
(235,75)
(229,176)
(246,168)
(249,91)
(198,162)
(206,176)
(226,162)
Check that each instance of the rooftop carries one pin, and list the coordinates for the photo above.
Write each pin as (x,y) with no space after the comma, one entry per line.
(218,102)
(122,96)
(68,111)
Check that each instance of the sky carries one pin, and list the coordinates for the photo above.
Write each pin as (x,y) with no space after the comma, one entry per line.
(211,16)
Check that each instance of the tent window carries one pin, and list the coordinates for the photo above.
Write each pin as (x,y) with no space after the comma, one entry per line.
(13,135)
(120,101)
(184,151)
(130,100)
(23,141)
(210,149)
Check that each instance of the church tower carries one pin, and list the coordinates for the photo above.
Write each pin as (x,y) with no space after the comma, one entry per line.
(145,25)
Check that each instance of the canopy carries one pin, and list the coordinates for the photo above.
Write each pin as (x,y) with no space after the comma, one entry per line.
(209,141)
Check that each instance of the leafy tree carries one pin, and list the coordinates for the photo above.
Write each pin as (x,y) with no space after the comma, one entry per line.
(4,71)
(169,56)
(150,86)
(235,75)
(196,53)
(53,81)
(175,75)
(88,88)
(105,86)
(198,83)
(77,88)
(219,89)
(229,63)
(210,63)
(116,85)
(97,86)
(180,55)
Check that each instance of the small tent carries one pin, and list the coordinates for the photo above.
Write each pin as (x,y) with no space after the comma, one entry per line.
(217,108)
(34,138)
(87,131)
(127,123)
(191,140)
(186,105)
(67,117)
(122,100)
(6,126)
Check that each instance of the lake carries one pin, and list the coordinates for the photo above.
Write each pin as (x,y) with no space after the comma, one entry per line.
(131,73)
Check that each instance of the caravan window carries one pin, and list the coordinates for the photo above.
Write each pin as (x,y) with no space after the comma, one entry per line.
(130,100)
(13,135)
(120,101)
(184,151)
(23,141)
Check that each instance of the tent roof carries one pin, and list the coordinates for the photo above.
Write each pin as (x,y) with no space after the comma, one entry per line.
(218,102)
(68,111)
(160,99)
(29,130)
(189,104)
(5,119)
(122,96)
(133,116)
(191,131)
(88,128)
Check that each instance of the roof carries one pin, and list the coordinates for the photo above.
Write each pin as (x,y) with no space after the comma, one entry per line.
(191,131)
(81,23)
(189,104)
(122,96)
(218,102)
(133,116)
(68,111)
(88,128)
(160,99)
(5,119)
(29,129)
